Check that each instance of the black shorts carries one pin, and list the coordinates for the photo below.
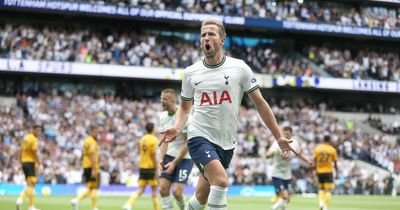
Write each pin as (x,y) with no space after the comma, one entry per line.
(29,169)
(325,178)
(146,174)
(87,176)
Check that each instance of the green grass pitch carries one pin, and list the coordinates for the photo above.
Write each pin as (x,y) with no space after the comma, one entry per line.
(235,203)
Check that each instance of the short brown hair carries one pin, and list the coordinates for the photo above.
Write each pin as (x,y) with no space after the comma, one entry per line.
(170,91)
(221,27)
(288,128)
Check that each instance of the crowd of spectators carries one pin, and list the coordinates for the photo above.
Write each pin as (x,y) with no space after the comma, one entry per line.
(67,117)
(393,128)
(147,49)
(335,13)
(361,64)
(132,48)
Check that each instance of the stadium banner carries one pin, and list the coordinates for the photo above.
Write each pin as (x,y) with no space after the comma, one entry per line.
(85,69)
(335,83)
(122,190)
(389,1)
(54,5)
(337,29)
(103,70)
(167,15)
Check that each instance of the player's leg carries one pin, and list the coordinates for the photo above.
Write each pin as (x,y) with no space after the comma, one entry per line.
(21,198)
(87,176)
(31,194)
(212,161)
(199,200)
(181,176)
(154,196)
(285,199)
(218,179)
(31,182)
(135,195)
(328,197)
(24,192)
(328,193)
(95,192)
(177,191)
(321,192)
(281,187)
(166,181)
(326,185)
(166,201)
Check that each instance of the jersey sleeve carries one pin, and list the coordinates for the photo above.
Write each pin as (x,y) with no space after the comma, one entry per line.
(315,154)
(187,89)
(249,82)
(34,145)
(274,147)
(296,146)
(334,155)
(154,146)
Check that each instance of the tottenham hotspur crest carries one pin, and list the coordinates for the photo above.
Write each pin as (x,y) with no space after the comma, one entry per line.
(226,80)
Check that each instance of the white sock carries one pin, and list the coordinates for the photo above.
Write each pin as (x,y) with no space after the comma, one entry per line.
(321,204)
(181,204)
(284,205)
(278,204)
(166,203)
(194,204)
(217,198)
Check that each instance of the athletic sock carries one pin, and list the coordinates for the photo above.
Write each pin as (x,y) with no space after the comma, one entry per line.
(278,204)
(30,192)
(133,198)
(95,197)
(166,203)
(217,198)
(83,195)
(156,203)
(194,204)
(181,203)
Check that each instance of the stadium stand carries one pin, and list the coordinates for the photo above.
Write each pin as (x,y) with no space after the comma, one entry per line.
(331,12)
(122,123)
(130,47)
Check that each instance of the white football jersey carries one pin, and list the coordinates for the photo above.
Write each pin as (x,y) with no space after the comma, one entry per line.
(217,92)
(175,147)
(282,168)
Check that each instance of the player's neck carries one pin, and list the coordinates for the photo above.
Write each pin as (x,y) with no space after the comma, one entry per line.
(172,111)
(217,59)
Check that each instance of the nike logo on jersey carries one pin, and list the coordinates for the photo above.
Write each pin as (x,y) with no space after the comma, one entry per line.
(196,83)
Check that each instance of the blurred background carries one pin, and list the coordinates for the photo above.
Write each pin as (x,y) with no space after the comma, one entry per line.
(325,67)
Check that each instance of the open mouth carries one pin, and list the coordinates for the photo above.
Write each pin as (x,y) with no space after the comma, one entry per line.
(207,46)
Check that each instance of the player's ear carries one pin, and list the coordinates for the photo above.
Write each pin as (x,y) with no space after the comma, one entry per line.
(222,41)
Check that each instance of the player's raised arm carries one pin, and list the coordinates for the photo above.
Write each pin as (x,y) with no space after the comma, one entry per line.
(268,117)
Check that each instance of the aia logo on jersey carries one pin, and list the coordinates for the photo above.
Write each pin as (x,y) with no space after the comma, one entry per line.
(215,98)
